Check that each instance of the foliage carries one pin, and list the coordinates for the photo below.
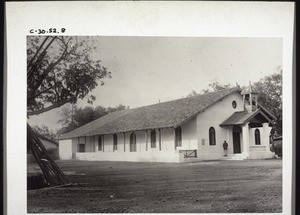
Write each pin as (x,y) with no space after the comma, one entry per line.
(60,70)
(44,130)
(73,117)
(192,94)
(215,86)
(270,96)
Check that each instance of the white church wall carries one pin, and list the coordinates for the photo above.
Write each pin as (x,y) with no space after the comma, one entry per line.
(145,156)
(213,117)
(189,134)
(65,149)
(168,139)
(167,153)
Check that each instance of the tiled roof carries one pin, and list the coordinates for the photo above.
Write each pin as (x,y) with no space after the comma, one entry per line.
(241,117)
(161,115)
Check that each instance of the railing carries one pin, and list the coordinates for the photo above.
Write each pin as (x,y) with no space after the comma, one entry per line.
(189,153)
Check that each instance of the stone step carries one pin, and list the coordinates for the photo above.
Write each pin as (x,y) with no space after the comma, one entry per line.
(235,157)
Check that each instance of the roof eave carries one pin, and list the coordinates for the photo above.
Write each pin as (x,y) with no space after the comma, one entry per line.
(110,133)
(268,112)
(225,125)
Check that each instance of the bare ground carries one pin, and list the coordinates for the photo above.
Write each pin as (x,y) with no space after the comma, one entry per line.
(202,187)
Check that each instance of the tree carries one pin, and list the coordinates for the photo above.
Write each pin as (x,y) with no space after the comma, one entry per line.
(192,94)
(44,130)
(60,70)
(270,96)
(99,111)
(117,108)
(73,117)
(215,86)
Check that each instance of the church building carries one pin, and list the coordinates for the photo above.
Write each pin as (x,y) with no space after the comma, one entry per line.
(176,131)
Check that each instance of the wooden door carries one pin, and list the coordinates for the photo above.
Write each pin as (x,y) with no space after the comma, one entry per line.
(236,134)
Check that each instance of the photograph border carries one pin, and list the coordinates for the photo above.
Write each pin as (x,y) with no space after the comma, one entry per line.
(247,19)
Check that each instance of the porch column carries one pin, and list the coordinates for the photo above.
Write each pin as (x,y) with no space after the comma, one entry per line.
(265,136)
(103,143)
(175,139)
(159,138)
(124,142)
(96,143)
(245,134)
(146,139)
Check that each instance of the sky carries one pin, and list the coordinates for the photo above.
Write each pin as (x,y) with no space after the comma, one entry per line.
(146,70)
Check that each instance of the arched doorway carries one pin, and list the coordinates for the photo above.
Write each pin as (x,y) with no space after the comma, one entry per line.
(236,137)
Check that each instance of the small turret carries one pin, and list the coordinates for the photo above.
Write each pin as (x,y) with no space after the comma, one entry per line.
(249,98)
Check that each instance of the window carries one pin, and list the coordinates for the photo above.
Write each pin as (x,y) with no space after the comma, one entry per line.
(81,148)
(81,144)
(153,138)
(257,137)
(132,142)
(115,142)
(178,138)
(212,136)
(100,145)
(247,97)
(234,104)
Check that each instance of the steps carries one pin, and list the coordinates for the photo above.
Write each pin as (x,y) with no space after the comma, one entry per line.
(235,157)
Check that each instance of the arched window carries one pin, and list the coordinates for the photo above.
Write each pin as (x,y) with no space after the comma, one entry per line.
(153,138)
(132,142)
(115,142)
(178,137)
(212,136)
(100,145)
(257,137)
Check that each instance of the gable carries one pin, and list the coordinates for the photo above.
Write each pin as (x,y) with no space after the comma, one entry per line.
(242,117)
(220,110)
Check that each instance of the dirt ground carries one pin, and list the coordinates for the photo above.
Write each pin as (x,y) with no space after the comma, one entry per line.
(202,187)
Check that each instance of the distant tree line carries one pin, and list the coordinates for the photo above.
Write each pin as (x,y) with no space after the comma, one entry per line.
(45,131)
(73,117)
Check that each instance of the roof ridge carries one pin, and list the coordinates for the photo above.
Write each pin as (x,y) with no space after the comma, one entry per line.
(190,98)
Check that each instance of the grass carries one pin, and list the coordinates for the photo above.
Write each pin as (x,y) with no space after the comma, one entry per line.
(125,187)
